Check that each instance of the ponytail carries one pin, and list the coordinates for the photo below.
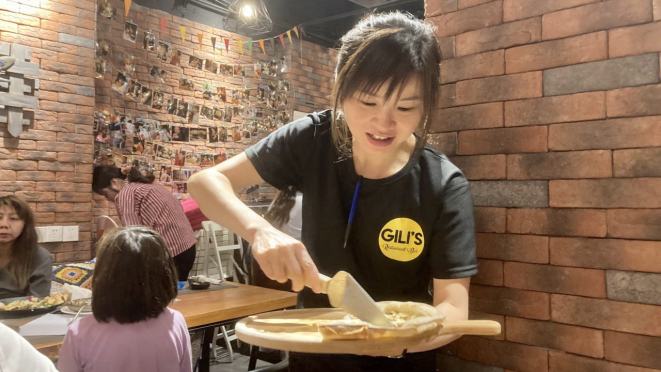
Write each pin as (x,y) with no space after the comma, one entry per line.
(278,214)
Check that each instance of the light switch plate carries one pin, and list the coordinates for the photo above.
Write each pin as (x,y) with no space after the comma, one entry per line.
(54,234)
(41,234)
(69,233)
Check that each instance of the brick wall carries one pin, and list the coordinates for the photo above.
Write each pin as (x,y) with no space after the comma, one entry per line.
(553,111)
(50,164)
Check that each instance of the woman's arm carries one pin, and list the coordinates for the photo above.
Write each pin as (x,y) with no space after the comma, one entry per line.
(279,255)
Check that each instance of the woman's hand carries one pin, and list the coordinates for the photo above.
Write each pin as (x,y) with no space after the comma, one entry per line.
(282,257)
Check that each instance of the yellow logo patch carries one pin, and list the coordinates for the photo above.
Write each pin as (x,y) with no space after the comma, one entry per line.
(401,239)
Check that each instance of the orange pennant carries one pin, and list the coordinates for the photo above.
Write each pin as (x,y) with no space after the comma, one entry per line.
(182,31)
(261,44)
(163,22)
(127,6)
(227,45)
(199,39)
(296,32)
(282,40)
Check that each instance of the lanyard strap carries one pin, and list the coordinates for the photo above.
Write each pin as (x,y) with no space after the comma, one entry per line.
(352,213)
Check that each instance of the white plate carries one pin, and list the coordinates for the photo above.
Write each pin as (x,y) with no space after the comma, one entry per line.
(66,310)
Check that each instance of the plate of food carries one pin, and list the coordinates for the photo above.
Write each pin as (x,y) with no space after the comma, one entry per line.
(29,306)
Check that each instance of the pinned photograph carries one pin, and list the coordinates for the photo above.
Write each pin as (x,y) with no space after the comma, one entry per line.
(192,158)
(149,41)
(186,83)
(182,109)
(227,70)
(207,92)
(228,115)
(130,31)
(257,70)
(211,66)
(206,160)
(120,84)
(138,145)
(163,51)
(129,63)
(103,48)
(195,62)
(180,157)
(235,97)
(134,90)
(214,136)
(222,94)
(173,105)
(100,67)
(198,134)
(222,134)
(166,174)
(163,133)
(106,10)
(237,110)
(176,56)
(246,95)
(193,114)
(207,112)
(157,73)
(238,71)
(157,101)
(145,96)
(179,134)
(218,113)
(283,86)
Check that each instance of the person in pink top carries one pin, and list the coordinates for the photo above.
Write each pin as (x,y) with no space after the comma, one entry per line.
(131,329)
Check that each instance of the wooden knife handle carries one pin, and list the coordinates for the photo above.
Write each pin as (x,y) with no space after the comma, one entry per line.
(471,327)
(324,283)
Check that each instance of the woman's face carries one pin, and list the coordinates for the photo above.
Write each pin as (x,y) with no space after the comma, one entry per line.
(379,126)
(11,225)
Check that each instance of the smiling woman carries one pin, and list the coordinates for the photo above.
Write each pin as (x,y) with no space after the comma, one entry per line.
(25,268)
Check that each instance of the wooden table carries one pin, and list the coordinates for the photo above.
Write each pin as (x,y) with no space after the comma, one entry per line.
(203,310)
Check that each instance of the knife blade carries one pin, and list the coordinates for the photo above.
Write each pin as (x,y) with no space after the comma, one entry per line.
(344,292)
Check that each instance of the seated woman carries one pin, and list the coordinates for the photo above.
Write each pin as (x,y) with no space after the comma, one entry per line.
(25,268)
(131,329)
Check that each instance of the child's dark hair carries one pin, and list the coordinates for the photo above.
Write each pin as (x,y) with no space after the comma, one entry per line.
(104,174)
(278,214)
(134,278)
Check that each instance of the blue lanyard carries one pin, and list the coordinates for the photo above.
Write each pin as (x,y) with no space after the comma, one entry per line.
(352,213)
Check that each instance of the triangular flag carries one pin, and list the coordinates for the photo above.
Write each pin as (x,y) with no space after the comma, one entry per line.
(282,40)
(213,43)
(273,44)
(163,23)
(182,30)
(227,45)
(296,32)
(289,36)
(127,6)
(240,42)
(261,44)
(250,46)
(199,39)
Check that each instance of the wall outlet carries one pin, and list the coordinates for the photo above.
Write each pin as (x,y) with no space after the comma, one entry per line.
(54,234)
(41,234)
(69,233)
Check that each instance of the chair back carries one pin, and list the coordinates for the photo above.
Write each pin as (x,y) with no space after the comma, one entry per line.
(104,223)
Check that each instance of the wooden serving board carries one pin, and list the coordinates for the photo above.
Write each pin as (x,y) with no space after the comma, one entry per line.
(296,330)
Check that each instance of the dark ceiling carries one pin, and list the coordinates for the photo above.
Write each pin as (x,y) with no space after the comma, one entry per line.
(324,21)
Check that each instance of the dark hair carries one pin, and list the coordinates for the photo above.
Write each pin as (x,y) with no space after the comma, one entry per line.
(134,278)
(24,248)
(384,47)
(278,214)
(103,175)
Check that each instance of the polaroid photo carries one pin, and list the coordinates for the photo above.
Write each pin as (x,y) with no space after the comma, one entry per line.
(198,134)
(193,114)
(157,73)
(218,113)
(179,158)
(214,136)
(195,62)
(104,48)
(179,133)
(134,90)
(145,96)
(129,63)
(238,70)
(166,174)
(106,10)
(130,31)
(192,159)
(163,50)
(206,112)
(173,105)
(100,67)
(138,145)
(176,56)
(257,70)
(228,115)
(207,91)
(158,100)
(186,84)
(211,66)
(120,84)
(182,109)
(149,41)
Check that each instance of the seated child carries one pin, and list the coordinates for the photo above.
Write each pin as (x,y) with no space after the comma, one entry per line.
(131,329)
(25,268)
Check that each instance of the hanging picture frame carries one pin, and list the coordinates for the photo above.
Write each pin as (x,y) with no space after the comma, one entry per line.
(149,41)
(163,50)
(130,31)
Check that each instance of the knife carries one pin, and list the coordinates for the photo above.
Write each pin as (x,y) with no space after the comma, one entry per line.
(344,292)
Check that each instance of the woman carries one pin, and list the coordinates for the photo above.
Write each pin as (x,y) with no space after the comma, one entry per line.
(141,202)
(412,224)
(132,328)
(25,268)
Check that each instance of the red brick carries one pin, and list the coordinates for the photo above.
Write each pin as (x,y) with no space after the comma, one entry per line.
(474,66)
(634,40)
(35,176)
(489,273)
(16,186)
(462,4)
(444,142)
(46,95)
(76,138)
(55,166)
(8,26)
(75,99)
(55,146)
(54,207)
(519,9)
(468,19)
(83,207)
(74,158)
(634,223)
(37,135)
(20,39)
(75,60)
(556,279)
(73,196)
(593,17)
(499,88)
(559,109)
(633,349)
(44,54)
(500,37)
(82,4)
(487,115)
(62,68)
(607,315)
(637,162)
(613,254)
(27,145)
(76,256)
(555,53)
(561,362)
(84,168)
(11,6)
(54,126)
(490,220)
(503,354)
(511,302)
(85,149)
(502,141)
(636,101)
(59,7)
(610,193)
(73,177)
(568,222)
(59,47)
(57,106)
(524,248)
(577,340)
(34,196)
(7,175)
(612,134)
(76,119)
(20,19)
(8,153)
(78,80)
(73,217)
(83,187)
(447,49)
(18,165)
(481,167)
(558,165)
(36,155)
(37,32)
(55,186)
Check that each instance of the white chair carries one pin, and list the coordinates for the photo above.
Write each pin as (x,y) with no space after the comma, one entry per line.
(104,223)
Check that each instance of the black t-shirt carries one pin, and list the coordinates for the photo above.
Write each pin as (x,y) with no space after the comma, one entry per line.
(408,228)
